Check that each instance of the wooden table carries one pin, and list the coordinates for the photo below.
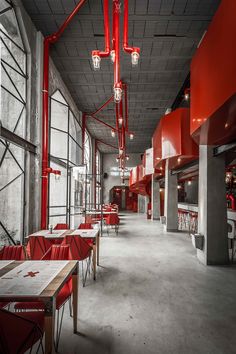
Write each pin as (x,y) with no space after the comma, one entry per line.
(54,235)
(19,281)
(95,235)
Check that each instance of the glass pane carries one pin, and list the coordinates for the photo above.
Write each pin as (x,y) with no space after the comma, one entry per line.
(11,165)
(3,5)
(10,107)
(53,220)
(58,144)
(11,210)
(59,116)
(9,25)
(58,188)
(57,211)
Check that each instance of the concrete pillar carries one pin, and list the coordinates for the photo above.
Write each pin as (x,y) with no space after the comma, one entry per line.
(212,210)
(141,203)
(155,199)
(171,200)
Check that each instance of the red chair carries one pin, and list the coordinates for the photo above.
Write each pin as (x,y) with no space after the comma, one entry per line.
(85,226)
(61,227)
(19,332)
(80,250)
(16,253)
(56,252)
(37,247)
(113,221)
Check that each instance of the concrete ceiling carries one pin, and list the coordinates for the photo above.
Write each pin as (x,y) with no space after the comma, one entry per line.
(167,31)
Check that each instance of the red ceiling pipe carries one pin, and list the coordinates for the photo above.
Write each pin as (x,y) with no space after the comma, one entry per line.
(104,105)
(45,114)
(116,41)
(100,121)
(106,52)
(126,48)
(95,171)
(102,142)
(126,108)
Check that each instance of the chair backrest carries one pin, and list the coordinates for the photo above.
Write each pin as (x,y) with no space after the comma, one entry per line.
(79,248)
(112,219)
(18,334)
(61,227)
(58,253)
(85,226)
(37,246)
(16,253)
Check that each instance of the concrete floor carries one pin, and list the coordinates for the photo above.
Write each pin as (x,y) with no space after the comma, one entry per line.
(152,296)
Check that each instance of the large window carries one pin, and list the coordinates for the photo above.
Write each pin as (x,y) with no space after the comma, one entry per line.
(13,120)
(98,178)
(65,153)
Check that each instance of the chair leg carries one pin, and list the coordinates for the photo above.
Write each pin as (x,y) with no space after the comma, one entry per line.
(59,325)
(70,307)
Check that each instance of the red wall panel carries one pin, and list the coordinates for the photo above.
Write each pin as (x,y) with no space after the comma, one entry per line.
(213,84)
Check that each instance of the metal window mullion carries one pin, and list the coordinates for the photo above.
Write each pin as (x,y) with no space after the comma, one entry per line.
(10,66)
(18,120)
(5,10)
(10,39)
(12,94)
(13,180)
(12,56)
(12,82)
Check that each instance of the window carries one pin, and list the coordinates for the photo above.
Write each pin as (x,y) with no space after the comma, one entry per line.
(65,153)
(98,178)
(13,99)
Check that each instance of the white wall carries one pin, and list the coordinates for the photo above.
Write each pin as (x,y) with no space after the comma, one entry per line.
(109,163)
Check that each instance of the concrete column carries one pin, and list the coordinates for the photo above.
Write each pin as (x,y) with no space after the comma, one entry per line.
(171,200)
(155,199)
(141,203)
(212,211)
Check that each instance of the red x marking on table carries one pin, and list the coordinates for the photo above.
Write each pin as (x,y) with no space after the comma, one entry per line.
(31,274)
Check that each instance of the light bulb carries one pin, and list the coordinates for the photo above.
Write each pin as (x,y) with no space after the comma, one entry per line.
(120,120)
(113,134)
(127,157)
(186,96)
(134,58)
(131,136)
(178,187)
(113,56)
(179,159)
(189,183)
(168,111)
(96,62)
(117,94)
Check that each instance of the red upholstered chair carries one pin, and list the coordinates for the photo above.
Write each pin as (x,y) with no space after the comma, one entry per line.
(112,221)
(19,332)
(61,227)
(80,251)
(37,247)
(16,253)
(87,226)
(56,252)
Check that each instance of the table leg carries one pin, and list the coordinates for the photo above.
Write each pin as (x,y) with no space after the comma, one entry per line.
(94,261)
(49,321)
(75,293)
(98,247)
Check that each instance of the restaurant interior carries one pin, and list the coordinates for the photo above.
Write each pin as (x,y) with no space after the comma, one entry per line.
(117,176)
